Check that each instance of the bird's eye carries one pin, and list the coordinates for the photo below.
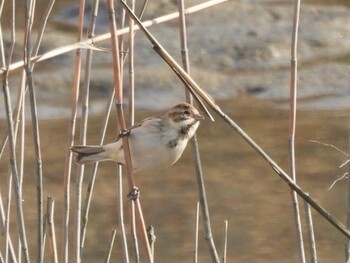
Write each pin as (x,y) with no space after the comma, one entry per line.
(186,112)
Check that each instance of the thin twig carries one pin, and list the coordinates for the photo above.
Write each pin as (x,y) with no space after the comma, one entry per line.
(110,247)
(42,27)
(194,142)
(311,233)
(121,215)
(224,257)
(345,175)
(195,250)
(151,239)
(7,218)
(134,233)
(292,125)
(93,173)
(344,163)
(4,220)
(68,163)
(131,69)
(347,245)
(51,229)
(80,172)
(29,10)
(331,146)
(12,146)
(85,110)
(131,116)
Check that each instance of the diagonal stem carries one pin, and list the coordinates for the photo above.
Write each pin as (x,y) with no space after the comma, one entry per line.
(200,93)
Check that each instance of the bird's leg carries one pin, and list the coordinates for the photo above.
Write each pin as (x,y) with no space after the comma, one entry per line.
(134,193)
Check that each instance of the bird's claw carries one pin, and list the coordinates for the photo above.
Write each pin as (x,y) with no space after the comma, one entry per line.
(134,194)
(124,133)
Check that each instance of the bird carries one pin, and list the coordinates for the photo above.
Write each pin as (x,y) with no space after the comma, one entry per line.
(155,143)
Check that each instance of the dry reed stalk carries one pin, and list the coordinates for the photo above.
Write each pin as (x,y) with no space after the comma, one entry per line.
(12,145)
(198,92)
(118,90)
(85,109)
(19,117)
(194,141)
(292,124)
(29,11)
(80,172)
(131,69)
(311,234)
(121,215)
(195,250)
(151,239)
(224,257)
(51,229)
(121,120)
(134,233)
(131,112)
(90,42)
(91,184)
(82,224)
(111,243)
(7,218)
(68,163)
(5,224)
(347,246)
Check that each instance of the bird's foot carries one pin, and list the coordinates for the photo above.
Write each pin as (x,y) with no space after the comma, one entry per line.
(134,194)
(124,133)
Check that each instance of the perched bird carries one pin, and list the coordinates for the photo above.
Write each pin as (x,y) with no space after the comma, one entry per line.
(156,142)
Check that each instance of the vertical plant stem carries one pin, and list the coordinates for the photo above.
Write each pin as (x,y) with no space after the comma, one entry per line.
(91,184)
(292,124)
(80,173)
(111,243)
(194,142)
(30,7)
(71,136)
(131,122)
(131,69)
(151,239)
(310,229)
(5,229)
(51,229)
(94,170)
(121,215)
(347,247)
(7,218)
(85,114)
(42,27)
(83,129)
(118,99)
(12,146)
(134,233)
(195,251)
(225,243)
(121,119)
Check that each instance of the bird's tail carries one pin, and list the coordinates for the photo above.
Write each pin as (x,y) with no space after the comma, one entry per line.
(89,153)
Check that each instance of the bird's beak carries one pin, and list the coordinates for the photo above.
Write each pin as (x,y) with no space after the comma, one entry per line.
(198,117)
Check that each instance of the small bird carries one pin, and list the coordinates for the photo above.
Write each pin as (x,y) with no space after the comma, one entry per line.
(156,142)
